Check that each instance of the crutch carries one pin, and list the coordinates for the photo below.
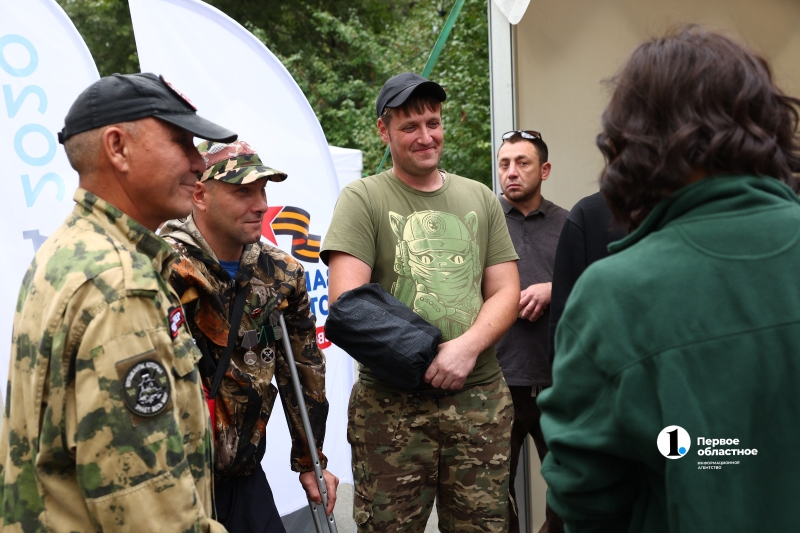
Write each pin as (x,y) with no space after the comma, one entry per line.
(312,446)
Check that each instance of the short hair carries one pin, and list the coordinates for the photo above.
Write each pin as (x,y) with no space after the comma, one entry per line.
(692,101)
(418,102)
(538,143)
(83,149)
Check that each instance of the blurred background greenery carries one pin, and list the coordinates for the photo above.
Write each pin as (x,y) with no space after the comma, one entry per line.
(340,53)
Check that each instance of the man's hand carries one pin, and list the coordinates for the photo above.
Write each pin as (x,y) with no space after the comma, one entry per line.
(452,365)
(309,482)
(534,300)
(456,358)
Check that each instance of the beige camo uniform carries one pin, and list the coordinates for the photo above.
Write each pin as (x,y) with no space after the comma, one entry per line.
(105,426)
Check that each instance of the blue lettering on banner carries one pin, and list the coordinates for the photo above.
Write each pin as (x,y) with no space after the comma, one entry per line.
(319,281)
(323,305)
(33,62)
(35,237)
(20,150)
(13,106)
(32,195)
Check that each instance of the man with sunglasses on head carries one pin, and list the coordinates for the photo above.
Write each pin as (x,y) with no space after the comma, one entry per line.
(439,244)
(534,225)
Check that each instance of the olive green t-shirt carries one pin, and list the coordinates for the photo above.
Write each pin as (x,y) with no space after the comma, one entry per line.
(428,249)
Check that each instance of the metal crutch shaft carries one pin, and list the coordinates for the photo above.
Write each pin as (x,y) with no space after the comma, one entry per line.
(312,445)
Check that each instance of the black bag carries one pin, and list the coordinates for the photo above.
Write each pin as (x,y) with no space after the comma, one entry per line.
(384,334)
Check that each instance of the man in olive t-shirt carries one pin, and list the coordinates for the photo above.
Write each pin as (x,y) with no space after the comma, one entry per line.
(439,243)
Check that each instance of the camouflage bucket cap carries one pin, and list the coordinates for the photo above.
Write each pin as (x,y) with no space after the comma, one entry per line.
(236,163)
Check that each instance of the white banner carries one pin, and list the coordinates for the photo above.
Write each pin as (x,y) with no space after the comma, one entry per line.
(512,9)
(44,65)
(234,80)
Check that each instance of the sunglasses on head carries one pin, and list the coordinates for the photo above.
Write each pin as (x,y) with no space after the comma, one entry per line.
(525,134)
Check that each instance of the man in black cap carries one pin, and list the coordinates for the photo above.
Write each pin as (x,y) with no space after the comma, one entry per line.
(106,426)
(439,243)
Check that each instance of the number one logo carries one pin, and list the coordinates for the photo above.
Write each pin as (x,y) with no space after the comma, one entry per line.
(673,442)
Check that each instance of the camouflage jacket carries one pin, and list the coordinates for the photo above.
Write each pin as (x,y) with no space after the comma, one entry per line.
(276,283)
(105,426)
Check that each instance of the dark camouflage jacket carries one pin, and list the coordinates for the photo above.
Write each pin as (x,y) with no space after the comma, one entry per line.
(106,427)
(276,282)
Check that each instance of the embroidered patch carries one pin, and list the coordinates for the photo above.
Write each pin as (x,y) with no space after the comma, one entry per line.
(176,320)
(146,388)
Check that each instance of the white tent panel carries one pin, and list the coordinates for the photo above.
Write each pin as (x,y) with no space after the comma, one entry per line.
(349,164)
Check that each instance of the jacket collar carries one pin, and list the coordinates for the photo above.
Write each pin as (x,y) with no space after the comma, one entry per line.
(717,194)
(129,234)
(186,231)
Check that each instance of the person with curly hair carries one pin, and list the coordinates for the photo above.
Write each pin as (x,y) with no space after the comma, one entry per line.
(673,399)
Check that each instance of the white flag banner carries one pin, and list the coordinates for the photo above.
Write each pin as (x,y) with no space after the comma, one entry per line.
(512,9)
(44,65)
(235,81)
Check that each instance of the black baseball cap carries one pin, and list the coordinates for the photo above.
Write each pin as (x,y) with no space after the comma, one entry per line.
(397,90)
(127,97)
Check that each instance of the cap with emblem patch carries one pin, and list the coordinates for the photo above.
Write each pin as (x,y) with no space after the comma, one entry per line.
(236,163)
(127,97)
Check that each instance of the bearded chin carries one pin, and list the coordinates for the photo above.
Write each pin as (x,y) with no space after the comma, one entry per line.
(429,165)
(420,168)
(520,195)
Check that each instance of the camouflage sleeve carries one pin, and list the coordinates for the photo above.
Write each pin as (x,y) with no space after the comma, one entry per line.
(136,421)
(310,364)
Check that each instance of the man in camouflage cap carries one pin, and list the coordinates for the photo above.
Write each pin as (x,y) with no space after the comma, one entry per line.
(105,427)
(222,260)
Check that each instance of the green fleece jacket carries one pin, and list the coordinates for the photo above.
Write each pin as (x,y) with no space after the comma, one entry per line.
(693,321)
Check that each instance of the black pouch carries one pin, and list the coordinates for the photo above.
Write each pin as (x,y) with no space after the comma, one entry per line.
(384,334)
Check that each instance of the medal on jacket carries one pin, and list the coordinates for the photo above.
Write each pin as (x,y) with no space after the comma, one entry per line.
(267,356)
(249,340)
(270,334)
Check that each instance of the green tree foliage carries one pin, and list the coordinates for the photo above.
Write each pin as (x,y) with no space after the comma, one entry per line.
(105,25)
(340,53)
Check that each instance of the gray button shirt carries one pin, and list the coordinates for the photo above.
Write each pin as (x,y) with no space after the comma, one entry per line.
(522,351)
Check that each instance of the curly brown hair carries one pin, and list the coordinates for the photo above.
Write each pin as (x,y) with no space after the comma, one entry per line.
(693,103)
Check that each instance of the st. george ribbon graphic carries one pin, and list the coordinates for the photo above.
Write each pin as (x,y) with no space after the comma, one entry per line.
(294,222)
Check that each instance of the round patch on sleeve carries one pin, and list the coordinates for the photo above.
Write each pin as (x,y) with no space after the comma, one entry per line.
(146,388)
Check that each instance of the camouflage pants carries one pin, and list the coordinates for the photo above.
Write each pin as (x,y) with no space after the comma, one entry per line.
(411,447)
